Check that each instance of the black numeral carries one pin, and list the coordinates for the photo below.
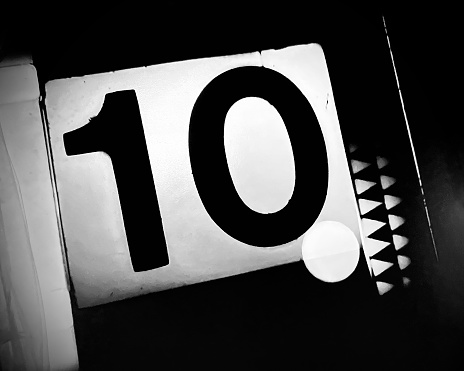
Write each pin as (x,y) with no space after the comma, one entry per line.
(118,131)
(209,163)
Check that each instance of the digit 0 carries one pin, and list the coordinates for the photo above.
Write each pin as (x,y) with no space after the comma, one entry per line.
(209,163)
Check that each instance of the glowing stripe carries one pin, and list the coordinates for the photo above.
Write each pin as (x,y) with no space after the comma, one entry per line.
(410,141)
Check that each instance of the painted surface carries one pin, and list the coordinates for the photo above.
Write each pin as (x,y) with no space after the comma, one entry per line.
(198,249)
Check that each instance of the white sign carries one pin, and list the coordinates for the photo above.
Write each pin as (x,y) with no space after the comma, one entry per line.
(184,172)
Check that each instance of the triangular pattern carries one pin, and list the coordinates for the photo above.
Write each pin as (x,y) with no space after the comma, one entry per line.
(391,275)
(379,213)
(395,189)
(383,233)
(400,241)
(383,287)
(378,266)
(362,154)
(388,254)
(369,173)
(381,162)
(401,230)
(373,247)
(367,205)
(352,148)
(395,221)
(357,166)
(391,201)
(406,281)
(370,226)
(380,244)
(374,193)
(362,185)
(400,208)
(403,261)
(387,181)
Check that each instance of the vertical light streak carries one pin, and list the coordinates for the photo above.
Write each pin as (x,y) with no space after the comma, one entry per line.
(410,140)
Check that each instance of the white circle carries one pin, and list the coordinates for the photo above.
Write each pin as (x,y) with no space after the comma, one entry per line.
(330,251)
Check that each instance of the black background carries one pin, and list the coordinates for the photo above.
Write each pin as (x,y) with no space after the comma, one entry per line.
(282,316)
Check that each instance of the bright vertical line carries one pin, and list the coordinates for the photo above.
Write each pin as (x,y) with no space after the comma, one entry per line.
(410,141)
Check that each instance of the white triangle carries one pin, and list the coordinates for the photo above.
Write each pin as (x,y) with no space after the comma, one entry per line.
(383,287)
(370,226)
(381,162)
(395,221)
(352,148)
(358,165)
(373,246)
(391,201)
(367,205)
(403,261)
(406,281)
(362,185)
(378,266)
(399,241)
(387,181)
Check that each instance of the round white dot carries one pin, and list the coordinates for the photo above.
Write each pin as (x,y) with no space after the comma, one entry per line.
(330,251)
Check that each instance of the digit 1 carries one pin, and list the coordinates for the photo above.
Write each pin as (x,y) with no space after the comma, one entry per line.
(117,130)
